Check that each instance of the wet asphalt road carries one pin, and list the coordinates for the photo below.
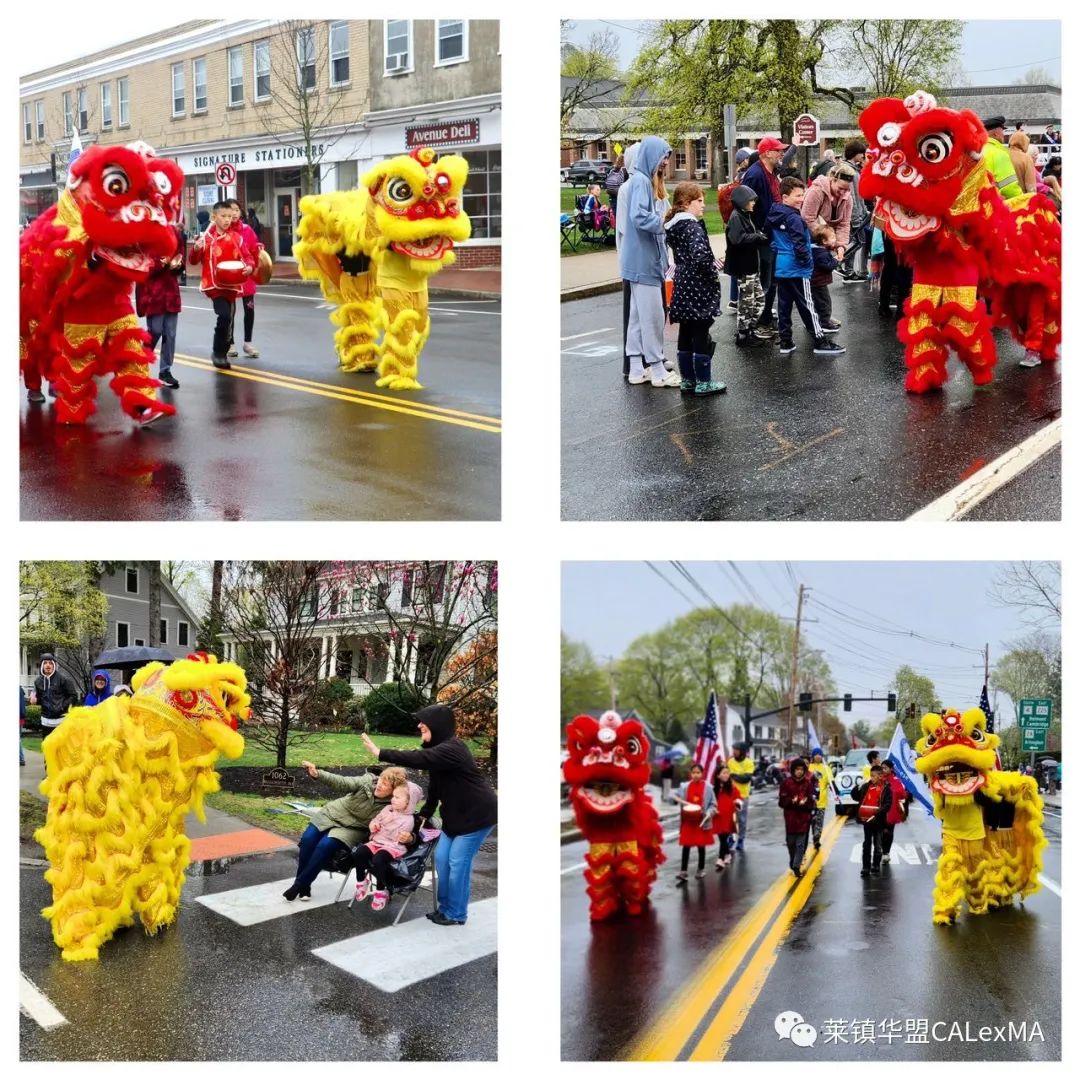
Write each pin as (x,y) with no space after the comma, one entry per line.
(1037,497)
(251,445)
(795,437)
(207,989)
(859,949)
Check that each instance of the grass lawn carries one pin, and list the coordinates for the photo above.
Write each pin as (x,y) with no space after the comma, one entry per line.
(325,749)
(255,810)
(713,221)
(31,814)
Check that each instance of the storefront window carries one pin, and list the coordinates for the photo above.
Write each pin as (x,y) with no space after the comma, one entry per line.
(482,199)
(255,194)
(346,175)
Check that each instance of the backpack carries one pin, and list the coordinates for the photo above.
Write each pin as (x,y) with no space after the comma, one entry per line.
(615,180)
(723,200)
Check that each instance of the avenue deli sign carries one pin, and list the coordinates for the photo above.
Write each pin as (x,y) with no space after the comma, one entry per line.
(449,133)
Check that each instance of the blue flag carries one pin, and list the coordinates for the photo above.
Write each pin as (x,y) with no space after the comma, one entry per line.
(76,148)
(903,759)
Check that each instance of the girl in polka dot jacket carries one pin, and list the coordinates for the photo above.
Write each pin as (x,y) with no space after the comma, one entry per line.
(696,298)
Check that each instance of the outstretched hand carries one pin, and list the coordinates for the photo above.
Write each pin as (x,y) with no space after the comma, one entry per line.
(312,769)
(369,744)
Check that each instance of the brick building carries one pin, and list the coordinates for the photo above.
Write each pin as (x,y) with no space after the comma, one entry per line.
(243,93)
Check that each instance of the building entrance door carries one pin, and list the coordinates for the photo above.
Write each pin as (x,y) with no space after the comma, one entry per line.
(285,200)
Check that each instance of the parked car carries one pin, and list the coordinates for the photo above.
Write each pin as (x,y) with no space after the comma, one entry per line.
(564,174)
(587,171)
(849,777)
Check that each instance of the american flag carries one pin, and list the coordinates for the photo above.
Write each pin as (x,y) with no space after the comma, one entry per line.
(984,704)
(709,751)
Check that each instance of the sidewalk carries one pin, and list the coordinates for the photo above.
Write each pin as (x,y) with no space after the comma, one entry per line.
(583,276)
(220,837)
(481,283)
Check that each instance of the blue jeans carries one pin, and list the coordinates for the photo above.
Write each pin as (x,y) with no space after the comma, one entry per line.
(316,850)
(453,864)
(163,328)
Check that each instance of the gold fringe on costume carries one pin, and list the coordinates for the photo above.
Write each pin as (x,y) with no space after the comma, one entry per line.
(121,776)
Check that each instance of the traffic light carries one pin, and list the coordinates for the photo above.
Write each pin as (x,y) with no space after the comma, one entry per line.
(847,703)
(892,703)
(806,701)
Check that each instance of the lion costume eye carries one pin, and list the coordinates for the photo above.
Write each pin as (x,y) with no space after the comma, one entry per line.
(164,185)
(888,134)
(931,739)
(115,181)
(633,746)
(399,190)
(935,148)
(977,735)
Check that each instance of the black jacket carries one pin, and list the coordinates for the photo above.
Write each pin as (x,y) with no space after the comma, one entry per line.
(457,785)
(55,694)
(744,244)
(697,281)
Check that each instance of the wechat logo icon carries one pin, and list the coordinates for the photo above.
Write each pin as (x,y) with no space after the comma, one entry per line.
(790,1025)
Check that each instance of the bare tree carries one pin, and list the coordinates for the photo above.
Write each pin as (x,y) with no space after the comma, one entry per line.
(1032,587)
(301,92)
(153,575)
(586,72)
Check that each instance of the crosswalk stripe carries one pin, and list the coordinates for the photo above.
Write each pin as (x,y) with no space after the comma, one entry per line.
(398,956)
(38,1007)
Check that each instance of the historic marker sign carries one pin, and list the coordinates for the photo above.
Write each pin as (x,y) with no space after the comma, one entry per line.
(277,782)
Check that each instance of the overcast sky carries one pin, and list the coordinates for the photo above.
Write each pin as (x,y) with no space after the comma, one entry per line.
(609,604)
(988,44)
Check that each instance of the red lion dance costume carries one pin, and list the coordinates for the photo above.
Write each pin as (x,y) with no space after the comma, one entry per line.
(939,205)
(607,771)
(77,265)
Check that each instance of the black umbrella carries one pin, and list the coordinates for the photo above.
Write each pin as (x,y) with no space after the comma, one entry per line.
(131,658)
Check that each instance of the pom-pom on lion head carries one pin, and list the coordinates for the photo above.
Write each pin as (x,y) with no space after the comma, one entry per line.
(128,201)
(956,752)
(206,693)
(416,205)
(609,760)
(917,160)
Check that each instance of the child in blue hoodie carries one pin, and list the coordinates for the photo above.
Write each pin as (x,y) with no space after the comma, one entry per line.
(100,689)
(794,268)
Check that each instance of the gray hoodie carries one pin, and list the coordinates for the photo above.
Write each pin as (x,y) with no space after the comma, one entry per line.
(642,254)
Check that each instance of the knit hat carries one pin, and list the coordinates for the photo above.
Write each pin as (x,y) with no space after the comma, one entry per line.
(817,750)
(742,154)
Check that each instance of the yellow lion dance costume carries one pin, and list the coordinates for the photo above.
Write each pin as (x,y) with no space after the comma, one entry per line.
(372,252)
(991,837)
(121,777)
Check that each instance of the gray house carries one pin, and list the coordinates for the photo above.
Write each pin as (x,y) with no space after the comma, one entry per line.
(438,83)
(127,621)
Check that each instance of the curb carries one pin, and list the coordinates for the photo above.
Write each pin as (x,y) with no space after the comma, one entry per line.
(585,291)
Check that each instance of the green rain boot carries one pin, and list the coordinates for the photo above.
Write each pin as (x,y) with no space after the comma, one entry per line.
(703,375)
(686,370)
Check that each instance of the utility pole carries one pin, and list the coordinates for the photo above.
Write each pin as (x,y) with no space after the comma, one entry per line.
(794,671)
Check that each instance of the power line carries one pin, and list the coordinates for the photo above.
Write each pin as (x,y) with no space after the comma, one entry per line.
(1011,67)
(669,583)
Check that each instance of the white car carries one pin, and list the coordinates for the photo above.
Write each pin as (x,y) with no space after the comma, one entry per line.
(849,776)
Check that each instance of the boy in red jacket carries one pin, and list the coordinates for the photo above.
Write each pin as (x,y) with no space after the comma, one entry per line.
(874,798)
(798,797)
(898,809)
(226,265)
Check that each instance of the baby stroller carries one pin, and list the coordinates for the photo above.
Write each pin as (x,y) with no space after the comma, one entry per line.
(406,873)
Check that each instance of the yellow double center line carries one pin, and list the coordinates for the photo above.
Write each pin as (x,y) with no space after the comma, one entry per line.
(477,421)
(703,1018)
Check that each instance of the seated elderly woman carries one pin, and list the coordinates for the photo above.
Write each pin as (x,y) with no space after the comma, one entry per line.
(342,823)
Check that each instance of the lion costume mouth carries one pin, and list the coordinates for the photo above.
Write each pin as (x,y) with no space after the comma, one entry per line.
(956,778)
(605,797)
(130,258)
(428,247)
(905,225)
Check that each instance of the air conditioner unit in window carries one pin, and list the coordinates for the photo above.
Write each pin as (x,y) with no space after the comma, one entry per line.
(397,62)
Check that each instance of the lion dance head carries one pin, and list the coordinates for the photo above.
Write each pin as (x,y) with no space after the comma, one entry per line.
(918,159)
(956,752)
(608,762)
(121,776)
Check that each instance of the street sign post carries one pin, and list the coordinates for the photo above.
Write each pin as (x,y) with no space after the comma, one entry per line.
(225,174)
(729,140)
(1034,739)
(1035,716)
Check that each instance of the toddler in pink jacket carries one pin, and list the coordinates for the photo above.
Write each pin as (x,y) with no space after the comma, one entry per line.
(387,828)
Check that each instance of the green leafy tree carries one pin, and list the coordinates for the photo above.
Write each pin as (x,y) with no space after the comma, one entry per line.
(586,72)
(912,689)
(1030,669)
(861,731)
(584,687)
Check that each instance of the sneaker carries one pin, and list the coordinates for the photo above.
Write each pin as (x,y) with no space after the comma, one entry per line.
(864,873)
(305,894)
(250,350)
(220,363)
(885,312)
(854,278)
(35,397)
(671,378)
(739,846)
(168,380)
(824,347)
(886,857)
(700,874)
(232,351)
(705,388)
(291,893)
(751,341)
(831,325)
(1031,359)
(797,871)
(379,898)
(441,920)
(720,864)
(766,330)
(363,888)
(875,869)
(687,386)
(787,347)
(680,878)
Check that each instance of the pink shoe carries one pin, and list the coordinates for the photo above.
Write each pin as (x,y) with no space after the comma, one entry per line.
(363,888)
(378,899)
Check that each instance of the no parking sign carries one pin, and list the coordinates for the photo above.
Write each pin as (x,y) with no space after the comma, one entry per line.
(225,174)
